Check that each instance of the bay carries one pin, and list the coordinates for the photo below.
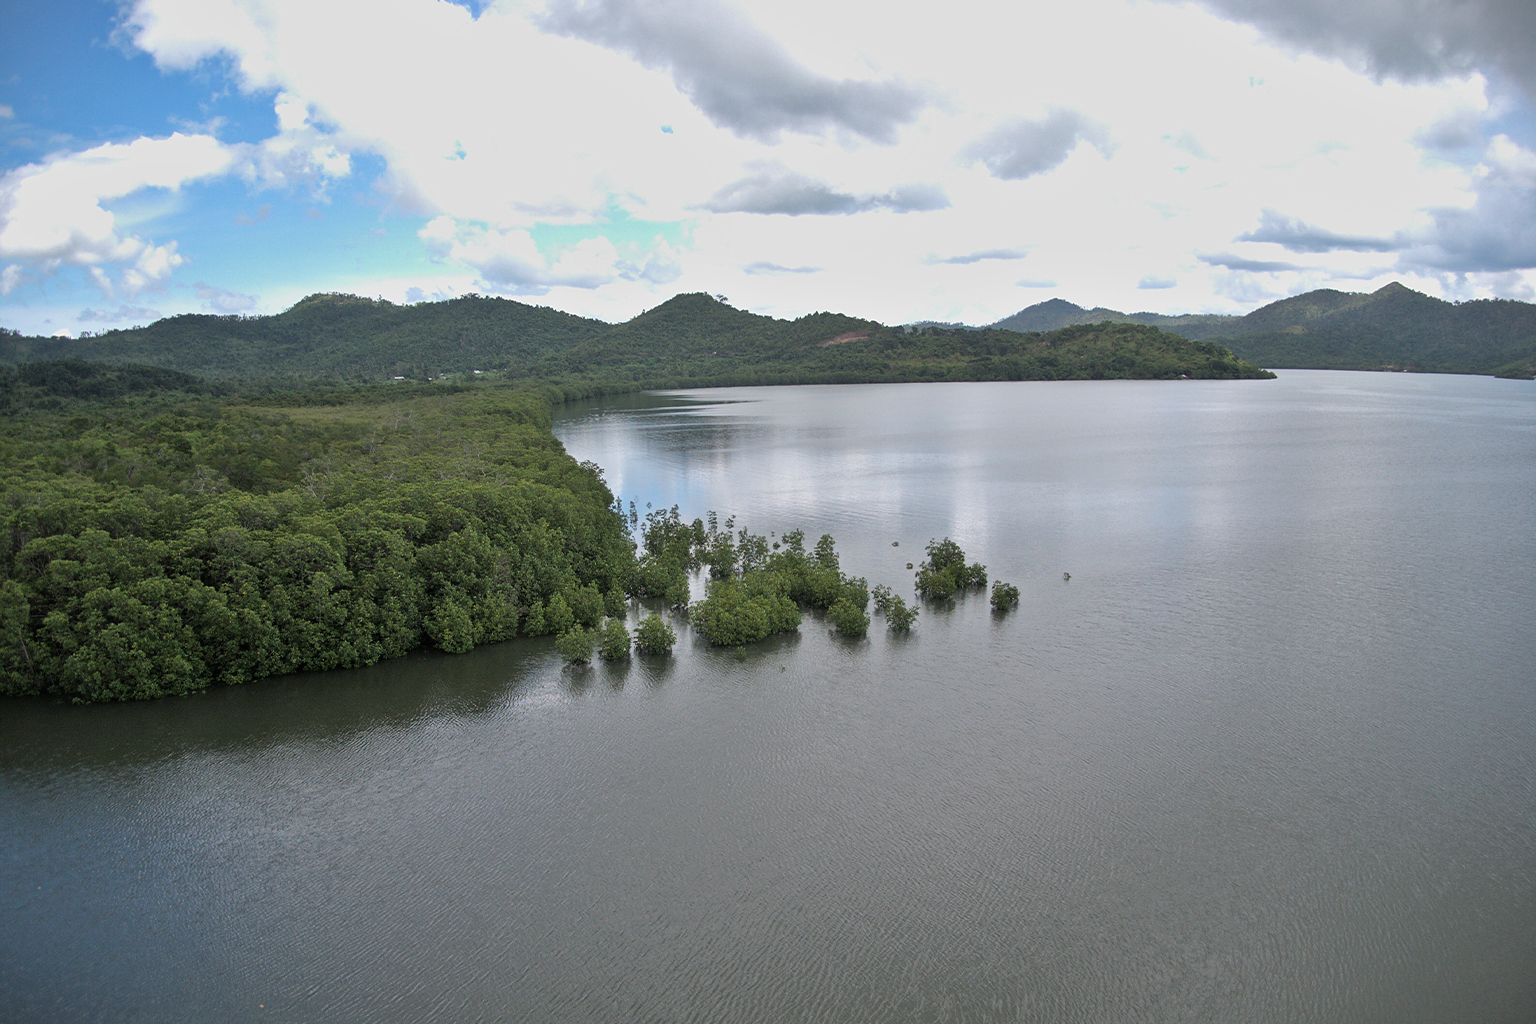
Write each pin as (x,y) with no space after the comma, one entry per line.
(1269,754)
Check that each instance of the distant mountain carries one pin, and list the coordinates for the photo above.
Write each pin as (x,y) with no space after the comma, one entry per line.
(1392,328)
(1054,314)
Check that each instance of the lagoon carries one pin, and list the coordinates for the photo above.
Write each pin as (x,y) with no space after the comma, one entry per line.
(1268,755)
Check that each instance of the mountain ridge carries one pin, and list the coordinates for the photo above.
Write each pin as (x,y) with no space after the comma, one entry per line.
(1392,328)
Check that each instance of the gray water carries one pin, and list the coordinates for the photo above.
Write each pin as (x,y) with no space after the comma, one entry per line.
(1268,755)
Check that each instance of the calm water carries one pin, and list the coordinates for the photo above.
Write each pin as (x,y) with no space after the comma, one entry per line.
(1269,755)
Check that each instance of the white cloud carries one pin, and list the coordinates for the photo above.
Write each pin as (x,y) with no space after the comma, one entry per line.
(54,213)
(509,262)
(1195,125)
(220,300)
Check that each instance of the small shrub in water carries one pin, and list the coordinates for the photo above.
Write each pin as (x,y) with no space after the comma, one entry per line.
(1004,596)
(653,636)
(849,618)
(899,616)
(613,640)
(575,645)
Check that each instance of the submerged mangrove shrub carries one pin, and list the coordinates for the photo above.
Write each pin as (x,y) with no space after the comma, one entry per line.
(744,611)
(898,616)
(945,571)
(575,644)
(1004,596)
(613,640)
(654,636)
(850,620)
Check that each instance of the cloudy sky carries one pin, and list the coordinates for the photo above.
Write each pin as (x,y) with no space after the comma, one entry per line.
(948,162)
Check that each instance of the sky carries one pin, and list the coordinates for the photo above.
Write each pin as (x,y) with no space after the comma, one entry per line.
(952,162)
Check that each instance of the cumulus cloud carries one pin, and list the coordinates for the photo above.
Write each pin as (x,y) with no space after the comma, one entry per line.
(219,300)
(1230,261)
(1496,233)
(980,255)
(509,261)
(741,78)
(1024,148)
(774,190)
(1298,236)
(1408,39)
(660,266)
(54,213)
(299,154)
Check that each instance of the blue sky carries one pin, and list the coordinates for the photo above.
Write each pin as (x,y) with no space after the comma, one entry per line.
(598,156)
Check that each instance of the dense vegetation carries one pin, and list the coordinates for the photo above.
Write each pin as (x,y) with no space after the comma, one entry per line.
(157,546)
(1392,328)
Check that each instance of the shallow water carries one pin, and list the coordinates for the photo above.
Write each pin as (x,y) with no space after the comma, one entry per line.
(1268,755)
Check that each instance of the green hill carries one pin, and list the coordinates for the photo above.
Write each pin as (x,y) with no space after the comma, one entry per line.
(330,337)
(699,341)
(1393,328)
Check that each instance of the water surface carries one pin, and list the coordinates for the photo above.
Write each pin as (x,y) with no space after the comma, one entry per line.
(1269,755)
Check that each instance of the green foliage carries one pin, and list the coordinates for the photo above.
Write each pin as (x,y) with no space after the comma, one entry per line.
(945,573)
(158,549)
(882,596)
(654,636)
(575,644)
(849,619)
(1004,596)
(899,616)
(613,640)
(743,611)
(557,615)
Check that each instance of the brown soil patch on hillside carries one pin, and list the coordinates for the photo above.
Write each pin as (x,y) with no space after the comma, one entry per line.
(850,336)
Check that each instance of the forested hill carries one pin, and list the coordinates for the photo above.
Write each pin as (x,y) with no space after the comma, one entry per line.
(331,337)
(699,341)
(689,340)
(1392,328)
